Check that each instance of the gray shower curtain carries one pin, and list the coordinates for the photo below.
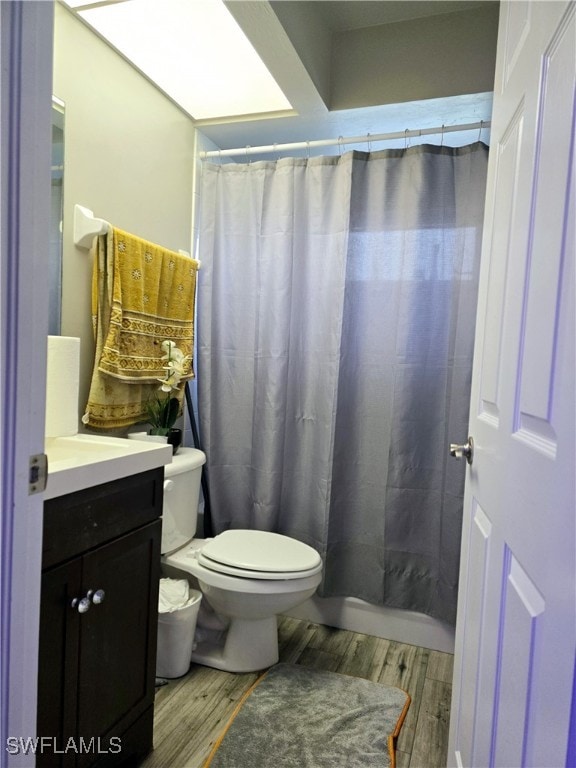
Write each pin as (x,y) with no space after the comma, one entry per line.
(336,311)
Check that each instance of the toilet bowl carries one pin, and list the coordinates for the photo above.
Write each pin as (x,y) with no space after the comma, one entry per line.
(247,577)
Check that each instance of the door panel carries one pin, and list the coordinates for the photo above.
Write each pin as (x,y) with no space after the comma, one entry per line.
(507,180)
(522,607)
(546,235)
(478,559)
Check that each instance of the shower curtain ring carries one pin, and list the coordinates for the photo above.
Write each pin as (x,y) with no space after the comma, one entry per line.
(442,136)
(369,142)
(406,139)
(308,149)
(247,153)
(341,144)
(480,131)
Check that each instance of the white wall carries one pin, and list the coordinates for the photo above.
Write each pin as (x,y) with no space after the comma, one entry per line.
(433,57)
(129,157)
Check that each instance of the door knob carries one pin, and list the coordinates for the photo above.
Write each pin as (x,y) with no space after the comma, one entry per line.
(463,451)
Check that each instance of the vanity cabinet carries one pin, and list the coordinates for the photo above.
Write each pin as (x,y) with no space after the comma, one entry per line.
(98,623)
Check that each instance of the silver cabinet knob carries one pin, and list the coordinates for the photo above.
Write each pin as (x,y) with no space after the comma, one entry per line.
(96,596)
(463,451)
(81,604)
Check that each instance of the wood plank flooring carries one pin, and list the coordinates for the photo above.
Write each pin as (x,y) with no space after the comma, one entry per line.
(192,711)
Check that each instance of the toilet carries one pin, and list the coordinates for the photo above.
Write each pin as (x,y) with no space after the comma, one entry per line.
(247,577)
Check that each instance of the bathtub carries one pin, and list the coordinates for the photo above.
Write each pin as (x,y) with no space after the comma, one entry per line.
(391,623)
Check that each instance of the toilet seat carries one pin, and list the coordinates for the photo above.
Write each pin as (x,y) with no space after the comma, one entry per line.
(259,555)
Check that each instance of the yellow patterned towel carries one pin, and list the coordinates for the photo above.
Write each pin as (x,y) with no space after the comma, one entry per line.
(152,300)
(142,294)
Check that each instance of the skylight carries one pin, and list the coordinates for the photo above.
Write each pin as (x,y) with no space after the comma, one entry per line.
(193,50)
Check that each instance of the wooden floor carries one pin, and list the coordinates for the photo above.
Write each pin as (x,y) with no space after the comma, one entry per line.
(192,711)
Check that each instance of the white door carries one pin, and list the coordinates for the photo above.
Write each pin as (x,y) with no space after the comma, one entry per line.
(516,629)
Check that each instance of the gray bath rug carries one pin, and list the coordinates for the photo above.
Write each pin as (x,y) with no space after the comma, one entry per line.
(295,717)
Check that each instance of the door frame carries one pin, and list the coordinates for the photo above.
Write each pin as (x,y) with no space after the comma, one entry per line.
(26,30)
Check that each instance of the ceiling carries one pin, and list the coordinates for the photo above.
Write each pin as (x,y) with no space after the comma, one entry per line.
(297,38)
(305,46)
(339,16)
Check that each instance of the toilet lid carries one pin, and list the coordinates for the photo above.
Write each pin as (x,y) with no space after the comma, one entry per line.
(259,554)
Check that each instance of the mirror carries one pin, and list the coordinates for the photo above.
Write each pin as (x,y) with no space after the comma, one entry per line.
(56,199)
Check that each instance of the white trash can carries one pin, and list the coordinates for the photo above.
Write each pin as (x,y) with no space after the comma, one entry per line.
(177,615)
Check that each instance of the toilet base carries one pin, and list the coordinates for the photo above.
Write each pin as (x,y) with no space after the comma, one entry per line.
(248,646)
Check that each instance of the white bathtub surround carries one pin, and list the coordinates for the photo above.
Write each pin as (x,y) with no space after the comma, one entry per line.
(391,623)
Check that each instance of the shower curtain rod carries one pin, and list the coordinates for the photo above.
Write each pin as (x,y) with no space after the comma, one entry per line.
(367,138)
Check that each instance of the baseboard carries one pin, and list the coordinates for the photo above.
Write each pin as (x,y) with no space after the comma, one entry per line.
(390,623)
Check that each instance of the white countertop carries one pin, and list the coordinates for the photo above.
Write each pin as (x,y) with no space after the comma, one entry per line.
(82,461)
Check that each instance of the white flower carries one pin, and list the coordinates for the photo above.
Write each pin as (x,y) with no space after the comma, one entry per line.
(168,345)
(163,411)
(176,367)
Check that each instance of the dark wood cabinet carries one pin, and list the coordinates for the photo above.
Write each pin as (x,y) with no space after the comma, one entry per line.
(97,666)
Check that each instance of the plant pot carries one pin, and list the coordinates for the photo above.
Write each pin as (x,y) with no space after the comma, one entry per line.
(175,439)
(148,436)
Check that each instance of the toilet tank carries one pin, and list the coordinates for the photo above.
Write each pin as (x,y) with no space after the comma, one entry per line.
(181,494)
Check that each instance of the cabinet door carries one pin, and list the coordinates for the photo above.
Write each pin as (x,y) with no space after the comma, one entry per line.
(58,663)
(117,661)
